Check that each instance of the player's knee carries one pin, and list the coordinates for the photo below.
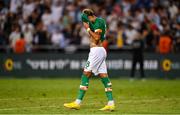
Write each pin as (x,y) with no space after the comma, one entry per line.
(88,74)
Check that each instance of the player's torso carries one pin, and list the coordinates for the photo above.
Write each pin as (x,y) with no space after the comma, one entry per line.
(98,24)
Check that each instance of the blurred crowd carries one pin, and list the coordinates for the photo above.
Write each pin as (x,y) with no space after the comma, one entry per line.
(28,24)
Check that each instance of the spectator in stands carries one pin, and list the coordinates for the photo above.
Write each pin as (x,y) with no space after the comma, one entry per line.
(120,35)
(173,10)
(84,37)
(41,36)
(58,39)
(14,36)
(27,25)
(35,17)
(139,15)
(152,35)
(46,18)
(14,5)
(27,30)
(27,8)
(112,20)
(165,44)
(130,34)
(9,20)
(20,45)
(57,10)
(66,20)
(76,34)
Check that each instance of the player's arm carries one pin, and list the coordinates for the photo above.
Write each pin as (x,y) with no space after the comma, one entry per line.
(96,35)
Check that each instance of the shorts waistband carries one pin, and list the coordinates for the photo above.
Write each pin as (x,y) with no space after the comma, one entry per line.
(97,47)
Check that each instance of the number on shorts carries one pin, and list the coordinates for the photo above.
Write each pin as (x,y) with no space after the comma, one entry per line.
(87,64)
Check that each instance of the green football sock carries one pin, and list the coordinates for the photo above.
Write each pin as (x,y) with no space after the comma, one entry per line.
(108,87)
(83,87)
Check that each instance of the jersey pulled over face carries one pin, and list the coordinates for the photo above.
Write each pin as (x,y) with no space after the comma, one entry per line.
(98,26)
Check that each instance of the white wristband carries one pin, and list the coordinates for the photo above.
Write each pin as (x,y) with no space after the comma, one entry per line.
(88,29)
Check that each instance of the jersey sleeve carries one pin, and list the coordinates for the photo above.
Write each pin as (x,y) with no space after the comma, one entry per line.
(98,27)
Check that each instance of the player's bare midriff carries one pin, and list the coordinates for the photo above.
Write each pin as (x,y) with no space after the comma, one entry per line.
(95,43)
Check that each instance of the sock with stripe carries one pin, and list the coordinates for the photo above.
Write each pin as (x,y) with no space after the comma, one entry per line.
(83,87)
(108,89)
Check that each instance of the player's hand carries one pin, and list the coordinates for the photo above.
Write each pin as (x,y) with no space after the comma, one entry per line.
(86,25)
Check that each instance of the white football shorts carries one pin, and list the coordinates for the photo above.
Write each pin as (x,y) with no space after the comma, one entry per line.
(96,61)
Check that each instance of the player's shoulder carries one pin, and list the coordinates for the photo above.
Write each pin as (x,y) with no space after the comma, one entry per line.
(100,19)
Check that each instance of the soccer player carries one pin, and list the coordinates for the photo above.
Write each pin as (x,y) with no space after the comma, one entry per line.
(96,28)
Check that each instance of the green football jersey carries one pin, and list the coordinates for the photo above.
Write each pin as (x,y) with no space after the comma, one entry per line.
(99,25)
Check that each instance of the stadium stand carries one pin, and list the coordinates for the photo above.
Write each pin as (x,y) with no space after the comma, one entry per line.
(55,25)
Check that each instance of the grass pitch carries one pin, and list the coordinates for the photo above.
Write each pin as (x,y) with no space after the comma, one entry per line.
(37,96)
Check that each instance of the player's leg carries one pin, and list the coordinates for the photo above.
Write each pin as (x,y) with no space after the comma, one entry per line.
(108,90)
(83,86)
(102,73)
(82,90)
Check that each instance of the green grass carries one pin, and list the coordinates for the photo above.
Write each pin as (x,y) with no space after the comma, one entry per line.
(35,96)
